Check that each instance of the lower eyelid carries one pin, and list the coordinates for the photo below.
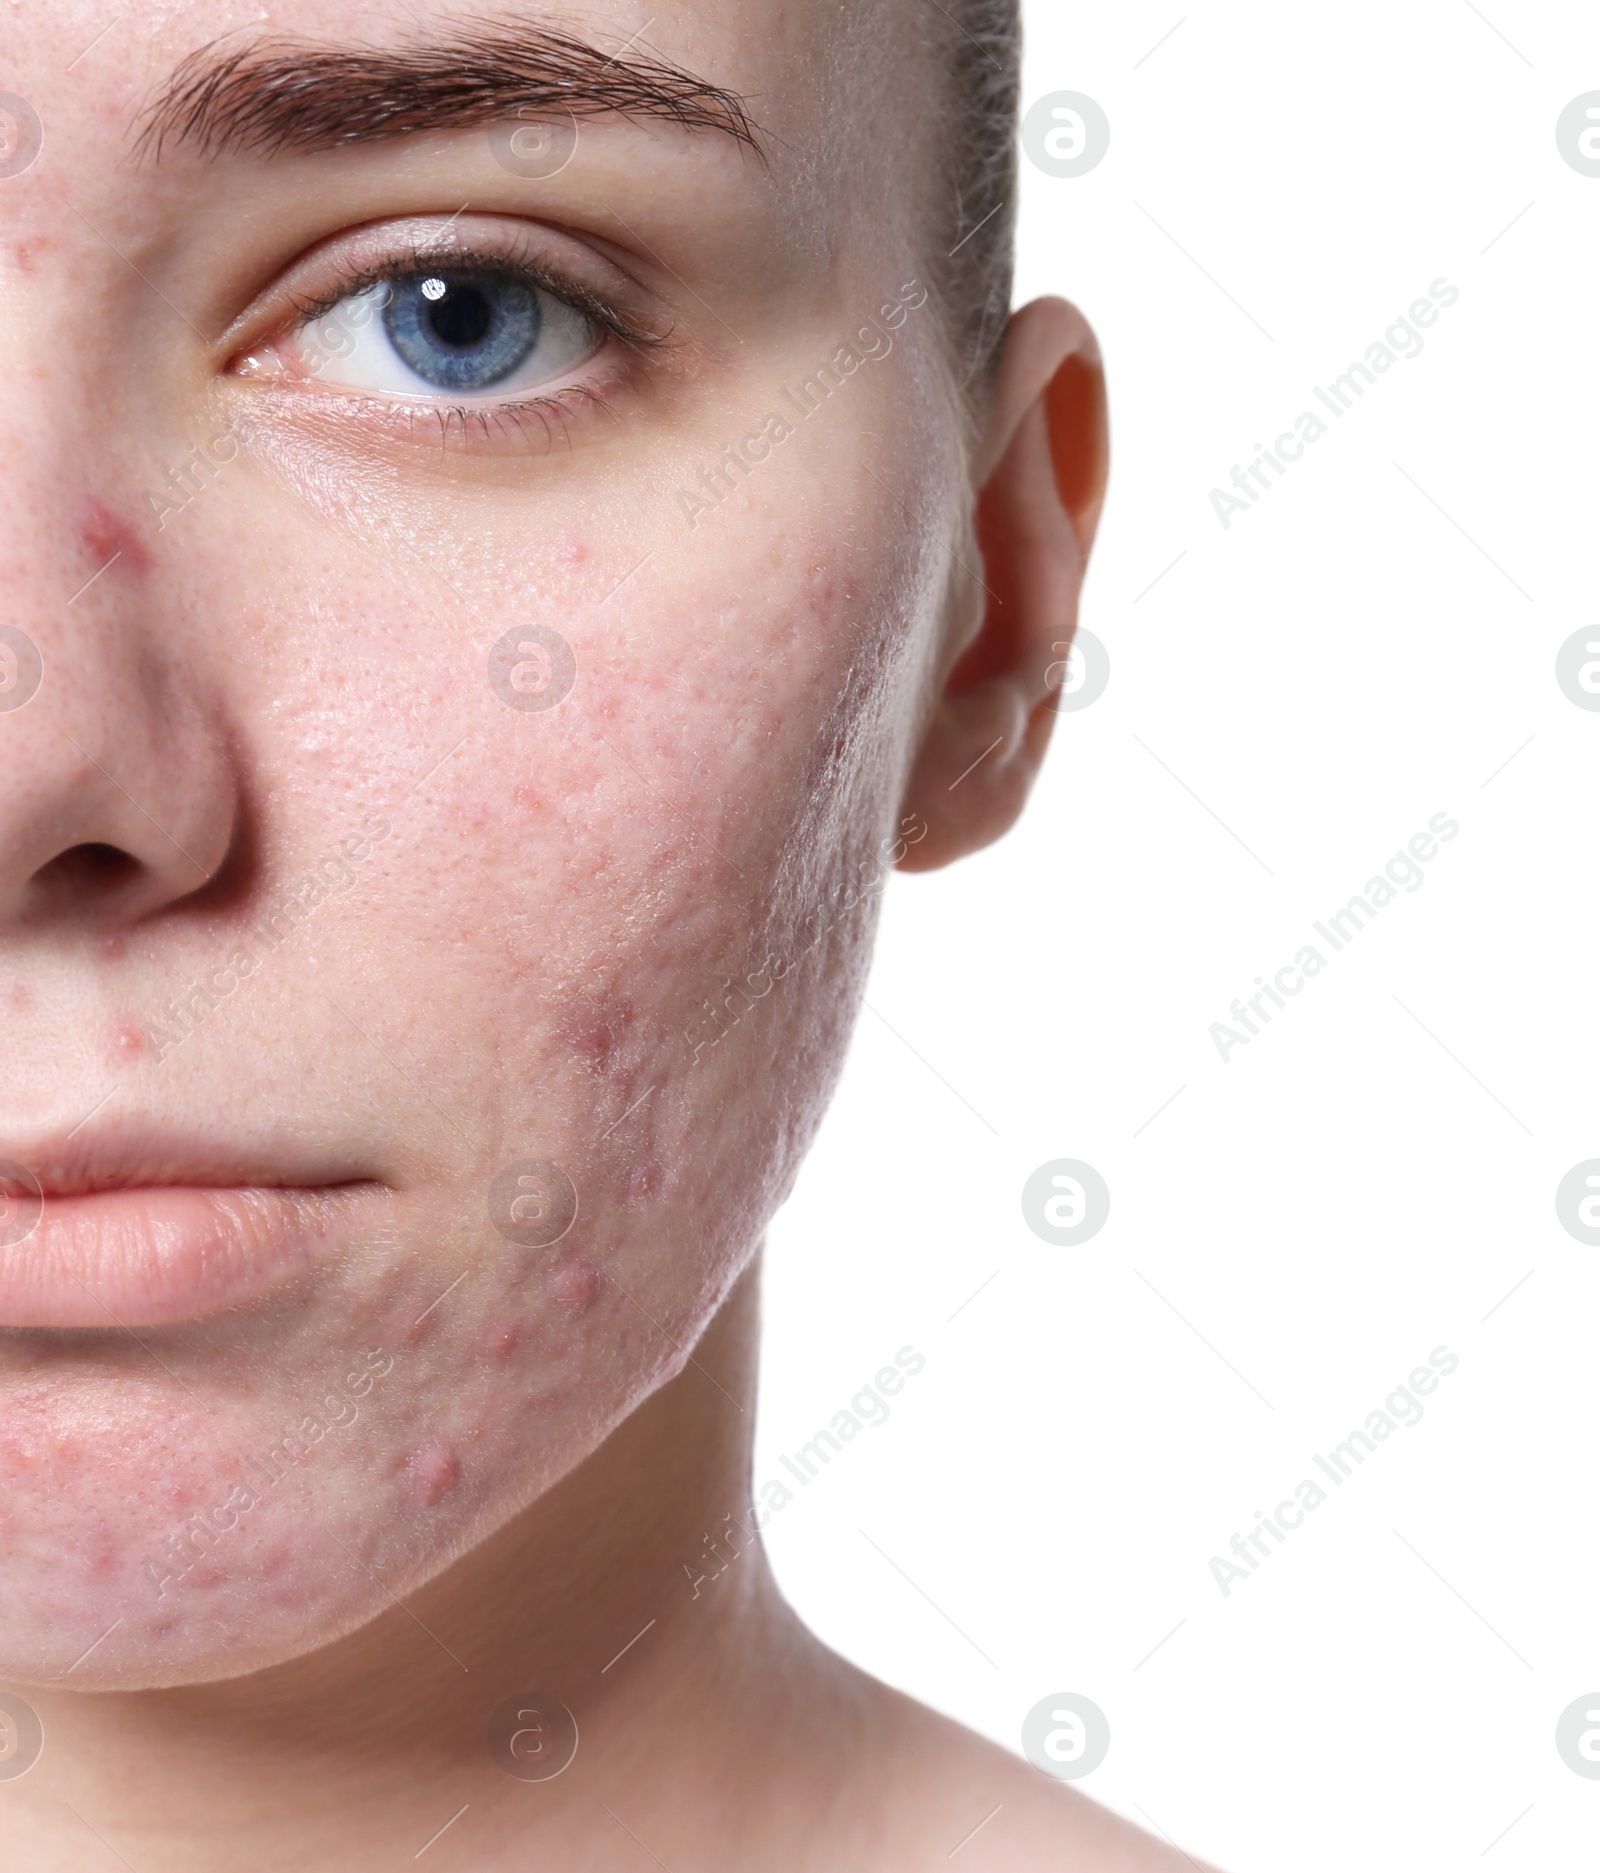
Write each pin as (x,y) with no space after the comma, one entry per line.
(514,427)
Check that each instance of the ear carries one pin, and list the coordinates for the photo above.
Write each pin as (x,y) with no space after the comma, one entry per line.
(1042,473)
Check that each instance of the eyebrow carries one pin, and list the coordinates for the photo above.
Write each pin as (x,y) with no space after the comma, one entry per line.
(287,94)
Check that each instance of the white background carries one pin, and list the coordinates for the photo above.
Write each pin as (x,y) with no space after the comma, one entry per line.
(1370,1176)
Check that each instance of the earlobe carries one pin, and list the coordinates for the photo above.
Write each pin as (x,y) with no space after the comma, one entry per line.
(1043,466)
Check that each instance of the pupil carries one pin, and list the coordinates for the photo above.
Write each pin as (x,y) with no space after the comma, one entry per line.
(460,316)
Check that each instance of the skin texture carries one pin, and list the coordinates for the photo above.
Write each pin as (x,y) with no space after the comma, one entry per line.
(265,680)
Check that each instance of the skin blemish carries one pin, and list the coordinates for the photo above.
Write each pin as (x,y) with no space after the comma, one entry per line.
(573,1287)
(595,1030)
(644,1183)
(500,1339)
(126,1041)
(105,539)
(435,1470)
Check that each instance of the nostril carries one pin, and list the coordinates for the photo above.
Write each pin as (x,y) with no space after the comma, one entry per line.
(85,873)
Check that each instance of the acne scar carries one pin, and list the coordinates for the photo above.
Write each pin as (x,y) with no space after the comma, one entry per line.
(435,1471)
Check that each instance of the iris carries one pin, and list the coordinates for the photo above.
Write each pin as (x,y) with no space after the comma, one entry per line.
(462,331)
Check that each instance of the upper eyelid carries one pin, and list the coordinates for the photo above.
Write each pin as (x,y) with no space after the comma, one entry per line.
(547,279)
(413,245)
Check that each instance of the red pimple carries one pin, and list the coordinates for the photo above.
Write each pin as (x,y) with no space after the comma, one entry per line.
(435,1471)
(106,538)
(596,1029)
(574,1286)
(500,1339)
(126,1041)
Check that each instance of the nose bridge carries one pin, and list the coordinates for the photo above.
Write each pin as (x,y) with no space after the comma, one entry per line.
(116,791)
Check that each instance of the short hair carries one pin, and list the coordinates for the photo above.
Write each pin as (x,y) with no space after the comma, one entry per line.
(975,222)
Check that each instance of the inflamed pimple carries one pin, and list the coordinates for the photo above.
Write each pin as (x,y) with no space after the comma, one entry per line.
(574,1286)
(435,1470)
(500,1339)
(107,539)
(125,1041)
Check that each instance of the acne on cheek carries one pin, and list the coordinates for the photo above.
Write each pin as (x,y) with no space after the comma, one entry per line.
(105,537)
(593,1032)
(574,1286)
(499,1340)
(434,1471)
(126,1041)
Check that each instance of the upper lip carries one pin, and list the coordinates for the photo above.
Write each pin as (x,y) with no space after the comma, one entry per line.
(125,1157)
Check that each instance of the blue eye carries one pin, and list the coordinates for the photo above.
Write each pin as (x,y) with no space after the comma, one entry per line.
(462,331)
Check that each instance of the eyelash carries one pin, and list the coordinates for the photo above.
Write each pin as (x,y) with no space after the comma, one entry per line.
(549,409)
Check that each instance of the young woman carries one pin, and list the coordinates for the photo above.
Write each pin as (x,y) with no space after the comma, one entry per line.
(514,523)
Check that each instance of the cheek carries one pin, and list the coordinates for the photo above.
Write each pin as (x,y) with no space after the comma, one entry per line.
(617,936)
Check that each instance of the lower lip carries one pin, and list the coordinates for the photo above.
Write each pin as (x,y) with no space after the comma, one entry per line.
(155,1257)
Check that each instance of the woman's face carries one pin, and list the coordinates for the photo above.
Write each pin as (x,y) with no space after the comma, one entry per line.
(485,617)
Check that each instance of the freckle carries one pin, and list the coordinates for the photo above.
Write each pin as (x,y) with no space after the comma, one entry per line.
(126,1042)
(573,1287)
(105,538)
(435,1471)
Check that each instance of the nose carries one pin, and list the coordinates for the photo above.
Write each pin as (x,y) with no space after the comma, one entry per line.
(117,795)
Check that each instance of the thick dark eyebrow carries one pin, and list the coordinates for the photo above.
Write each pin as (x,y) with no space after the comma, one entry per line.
(290,94)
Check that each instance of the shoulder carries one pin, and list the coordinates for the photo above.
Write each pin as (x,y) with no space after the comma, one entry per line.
(950,1794)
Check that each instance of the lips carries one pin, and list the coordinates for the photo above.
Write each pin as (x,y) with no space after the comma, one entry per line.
(145,1232)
